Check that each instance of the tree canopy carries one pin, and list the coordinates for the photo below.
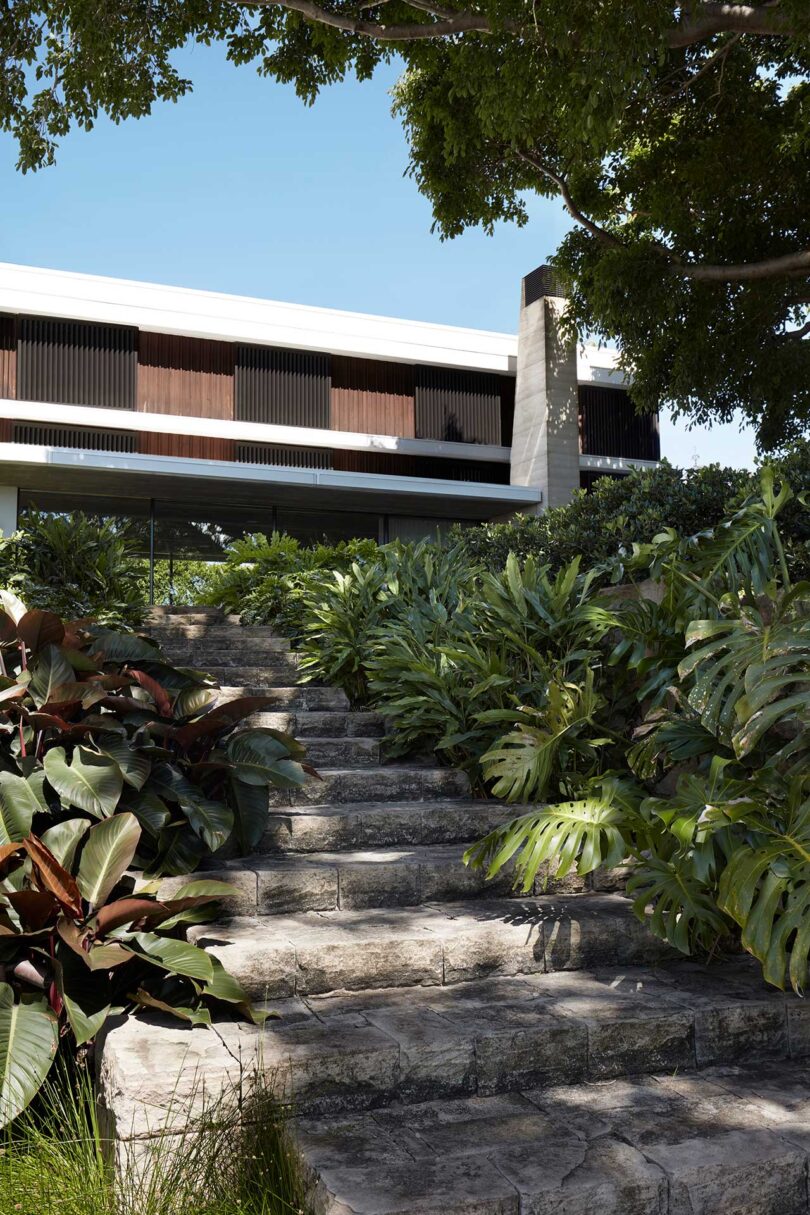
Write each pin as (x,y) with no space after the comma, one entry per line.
(677,136)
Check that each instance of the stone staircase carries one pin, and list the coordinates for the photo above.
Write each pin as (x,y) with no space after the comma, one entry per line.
(446,1047)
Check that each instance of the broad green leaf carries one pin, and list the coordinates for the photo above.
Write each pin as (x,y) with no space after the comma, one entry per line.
(150,811)
(212,821)
(262,757)
(29,1037)
(20,800)
(177,957)
(49,670)
(249,803)
(64,839)
(90,781)
(135,766)
(195,1016)
(106,856)
(85,1026)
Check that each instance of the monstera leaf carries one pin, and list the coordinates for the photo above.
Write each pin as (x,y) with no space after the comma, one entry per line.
(29,1036)
(684,910)
(581,835)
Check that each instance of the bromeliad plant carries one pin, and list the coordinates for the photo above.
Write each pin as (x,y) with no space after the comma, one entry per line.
(111,759)
(709,798)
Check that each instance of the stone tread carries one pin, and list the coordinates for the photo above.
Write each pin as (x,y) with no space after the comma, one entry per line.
(300,696)
(408,782)
(322,724)
(381,824)
(352,880)
(432,945)
(729,1141)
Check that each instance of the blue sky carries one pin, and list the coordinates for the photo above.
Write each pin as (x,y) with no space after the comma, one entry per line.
(241,188)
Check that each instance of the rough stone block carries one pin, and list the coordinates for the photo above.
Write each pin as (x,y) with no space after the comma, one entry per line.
(435,1059)
(290,886)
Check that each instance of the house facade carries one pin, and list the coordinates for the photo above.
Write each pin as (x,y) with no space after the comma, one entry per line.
(206,415)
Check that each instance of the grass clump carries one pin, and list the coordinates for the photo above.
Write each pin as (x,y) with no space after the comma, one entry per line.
(55,1160)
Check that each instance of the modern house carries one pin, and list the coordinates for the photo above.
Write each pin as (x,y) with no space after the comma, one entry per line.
(207,415)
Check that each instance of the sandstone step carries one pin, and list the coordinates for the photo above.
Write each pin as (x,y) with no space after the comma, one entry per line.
(343,752)
(219,635)
(272,674)
(313,724)
(730,1141)
(306,696)
(396,782)
(328,881)
(242,656)
(434,945)
(180,612)
(363,825)
(328,1055)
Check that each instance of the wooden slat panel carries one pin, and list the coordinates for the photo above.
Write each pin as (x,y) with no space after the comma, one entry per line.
(185,376)
(8,357)
(371,397)
(194,447)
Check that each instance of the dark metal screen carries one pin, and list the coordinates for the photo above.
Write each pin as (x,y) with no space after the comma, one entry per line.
(610,426)
(458,406)
(287,457)
(73,436)
(75,363)
(288,387)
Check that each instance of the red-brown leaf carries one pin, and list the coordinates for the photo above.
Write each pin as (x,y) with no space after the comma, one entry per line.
(155,690)
(34,907)
(125,911)
(37,629)
(51,875)
(221,718)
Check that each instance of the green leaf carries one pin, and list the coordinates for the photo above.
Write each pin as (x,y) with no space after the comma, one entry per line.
(49,671)
(135,766)
(250,804)
(20,800)
(64,839)
(90,781)
(29,1037)
(106,856)
(263,758)
(177,957)
(211,820)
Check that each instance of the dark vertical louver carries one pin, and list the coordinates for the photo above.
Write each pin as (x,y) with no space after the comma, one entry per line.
(8,357)
(589,477)
(74,363)
(81,437)
(507,409)
(458,406)
(610,426)
(288,387)
(286,457)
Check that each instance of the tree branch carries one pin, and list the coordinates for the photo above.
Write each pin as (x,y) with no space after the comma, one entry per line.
(459,23)
(772,267)
(706,20)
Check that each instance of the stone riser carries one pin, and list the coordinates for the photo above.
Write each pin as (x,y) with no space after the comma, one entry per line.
(258,679)
(437,945)
(343,752)
(218,637)
(338,786)
(240,662)
(381,825)
(311,724)
(305,697)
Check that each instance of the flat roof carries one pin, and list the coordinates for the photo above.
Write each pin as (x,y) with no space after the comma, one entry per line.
(217,316)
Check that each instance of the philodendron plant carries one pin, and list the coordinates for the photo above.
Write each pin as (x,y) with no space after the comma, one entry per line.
(112,760)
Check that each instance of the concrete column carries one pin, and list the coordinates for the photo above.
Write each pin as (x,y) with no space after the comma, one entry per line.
(8,509)
(545,440)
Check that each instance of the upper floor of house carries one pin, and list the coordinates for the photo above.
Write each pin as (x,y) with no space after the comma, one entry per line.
(111,365)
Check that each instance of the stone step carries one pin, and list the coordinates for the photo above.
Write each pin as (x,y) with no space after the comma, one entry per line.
(219,636)
(306,697)
(283,673)
(241,656)
(330,1055)
(438,944)
(178,612)
(322,725)
(328,881)
(396,782)
(343,752)
(382,824)
(729,1141)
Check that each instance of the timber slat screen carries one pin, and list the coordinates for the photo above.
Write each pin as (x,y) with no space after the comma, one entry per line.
(8,357)
(458,406)
(76,363)
(285,457)
(610,426)
(288,387)
(190,377)
(373,397)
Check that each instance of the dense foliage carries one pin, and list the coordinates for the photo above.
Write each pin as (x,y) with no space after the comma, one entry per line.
(675,135)
(75,565)
(658,702)
(111,759)
(634,508)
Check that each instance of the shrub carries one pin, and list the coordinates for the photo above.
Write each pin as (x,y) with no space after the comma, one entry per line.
(707,793)
(110,758)
(633,509)
(76,566)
